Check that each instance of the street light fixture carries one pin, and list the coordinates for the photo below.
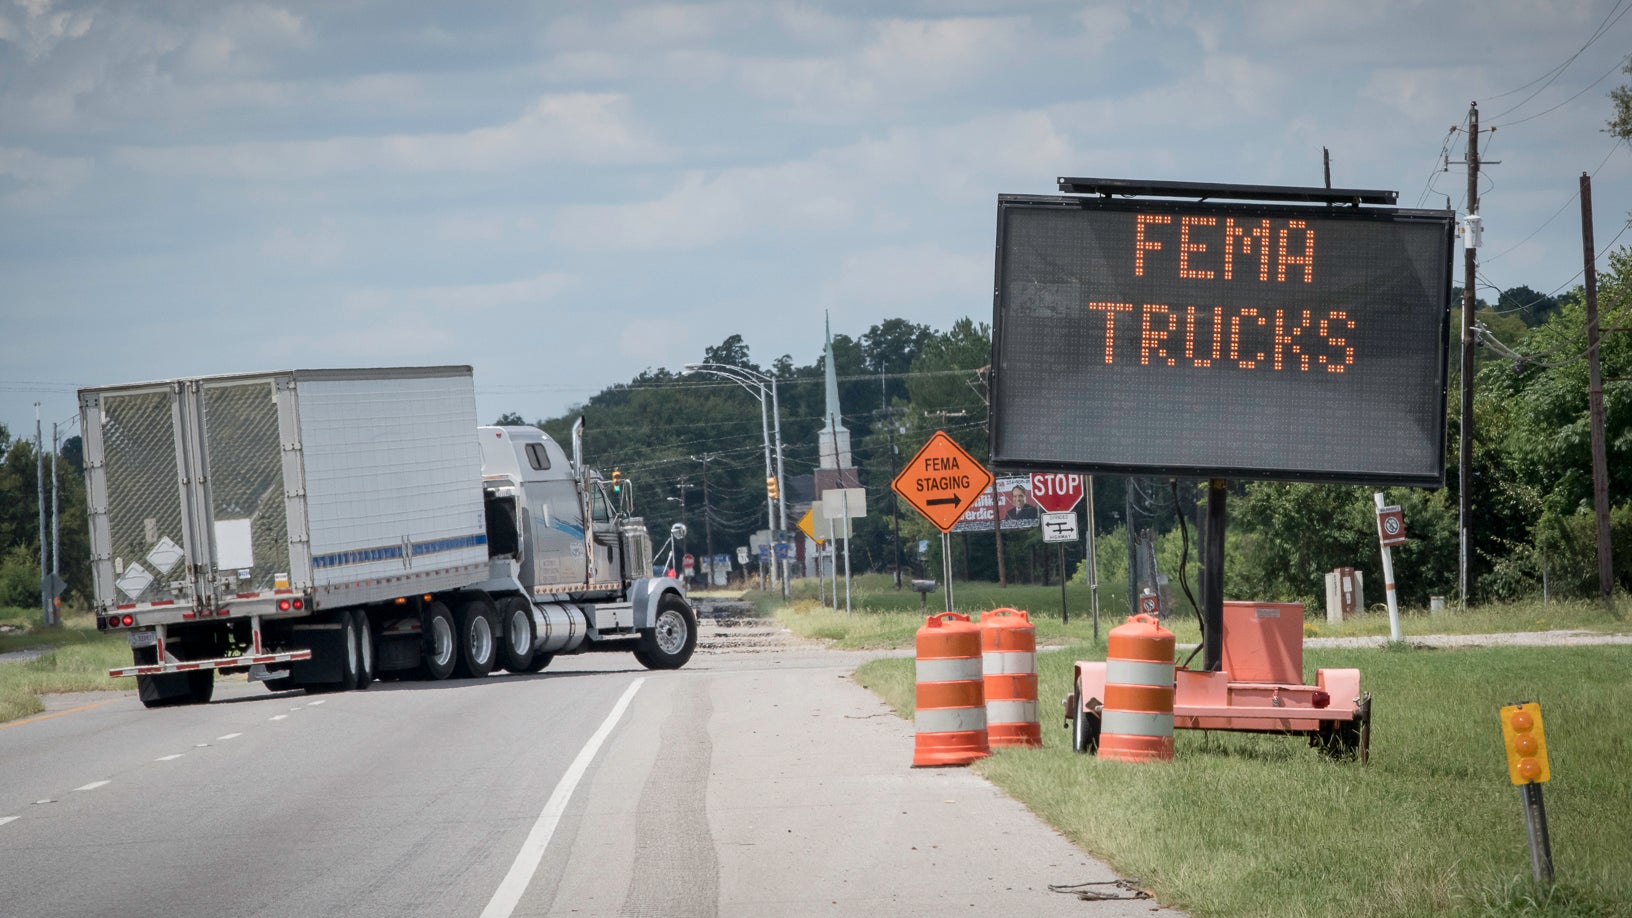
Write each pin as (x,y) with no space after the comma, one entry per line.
(776,508)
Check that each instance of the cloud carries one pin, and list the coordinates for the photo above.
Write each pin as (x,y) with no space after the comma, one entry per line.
(849,186)
(29,179)
(577,128)
(915,282)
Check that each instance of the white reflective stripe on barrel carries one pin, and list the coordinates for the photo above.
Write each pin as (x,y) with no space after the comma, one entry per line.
(950,720)
(1130,672)
(1011,712)
(1135,723)
(1001,664)
(951,669)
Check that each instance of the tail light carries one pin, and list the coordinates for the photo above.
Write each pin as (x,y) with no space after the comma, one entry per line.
(1321,699)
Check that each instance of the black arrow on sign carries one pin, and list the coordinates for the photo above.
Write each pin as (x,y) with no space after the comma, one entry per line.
(953,500)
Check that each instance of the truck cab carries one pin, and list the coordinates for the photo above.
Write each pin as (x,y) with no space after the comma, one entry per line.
(571,538)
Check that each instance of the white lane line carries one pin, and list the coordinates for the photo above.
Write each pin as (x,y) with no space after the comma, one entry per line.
(43,802)
(317,702)
(201,745)
(169,758)
(6,819)
(92,786)
(227,737)
(515,882)
(280,716)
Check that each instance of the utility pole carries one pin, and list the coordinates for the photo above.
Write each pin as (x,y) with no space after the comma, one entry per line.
(1470,256)
(56,524)
(708,518)
(39,486)
(1595,399)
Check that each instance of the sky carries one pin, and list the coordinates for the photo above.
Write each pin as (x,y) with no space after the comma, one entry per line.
(563,195)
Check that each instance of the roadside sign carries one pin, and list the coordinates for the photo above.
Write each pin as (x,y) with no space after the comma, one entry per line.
(807,523)
(742,555)
(844,502)
(688,564)
(1391,525)
(941,481)
(1056,492)
(1060,527)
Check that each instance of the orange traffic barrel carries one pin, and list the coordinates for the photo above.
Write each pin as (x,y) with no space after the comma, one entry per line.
(951,707)
(1008,662)
(1138,715)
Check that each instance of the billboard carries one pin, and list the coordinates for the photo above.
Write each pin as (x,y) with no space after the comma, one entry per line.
(1303,343)
(1015,508)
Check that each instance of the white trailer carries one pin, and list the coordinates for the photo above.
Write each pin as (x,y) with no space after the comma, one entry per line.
(319,528)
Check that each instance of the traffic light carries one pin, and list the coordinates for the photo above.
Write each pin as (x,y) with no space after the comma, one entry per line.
(770,487)
(1525,743)
(617,482)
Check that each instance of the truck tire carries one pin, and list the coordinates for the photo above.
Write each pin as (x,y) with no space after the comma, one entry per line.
(669,643)
(540,660)
(440,650)
(365,649)
(516,650)
(478,639)
(351,661)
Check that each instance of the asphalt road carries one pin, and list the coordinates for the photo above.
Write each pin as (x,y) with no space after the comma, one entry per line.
(759,780)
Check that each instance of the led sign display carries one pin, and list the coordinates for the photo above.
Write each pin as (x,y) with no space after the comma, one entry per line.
(1221,340)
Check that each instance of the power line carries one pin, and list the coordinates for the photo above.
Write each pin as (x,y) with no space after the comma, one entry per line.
(1604,26)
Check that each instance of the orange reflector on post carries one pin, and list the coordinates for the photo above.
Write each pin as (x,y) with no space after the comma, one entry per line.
(1008,654)
(950,718)
(1139,676)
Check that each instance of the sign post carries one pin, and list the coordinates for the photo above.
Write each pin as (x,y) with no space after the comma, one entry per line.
(1058,495)
(1390,532)
(940,482)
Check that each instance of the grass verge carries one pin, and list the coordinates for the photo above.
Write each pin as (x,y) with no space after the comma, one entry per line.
(76,659)
(1252,825)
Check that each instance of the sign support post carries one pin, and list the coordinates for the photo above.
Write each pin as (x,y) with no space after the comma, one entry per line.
(1385,516)
(1092,574)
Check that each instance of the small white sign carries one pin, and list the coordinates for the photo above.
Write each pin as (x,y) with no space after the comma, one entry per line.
(134,581)
(742,555)
(164,555)
(233,545)
(1060,527)
(844,502)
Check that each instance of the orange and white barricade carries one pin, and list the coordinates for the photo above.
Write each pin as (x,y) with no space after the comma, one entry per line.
(1008,654)
(1139,678)
(950,717)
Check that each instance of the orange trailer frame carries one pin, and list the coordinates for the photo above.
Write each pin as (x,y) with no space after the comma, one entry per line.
(1259,688)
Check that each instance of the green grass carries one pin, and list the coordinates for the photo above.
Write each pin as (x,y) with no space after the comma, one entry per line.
(77,660)
(1251,825)
(882,617)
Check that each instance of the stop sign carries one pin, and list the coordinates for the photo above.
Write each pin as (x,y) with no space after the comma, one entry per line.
(688,563)
(1056,492)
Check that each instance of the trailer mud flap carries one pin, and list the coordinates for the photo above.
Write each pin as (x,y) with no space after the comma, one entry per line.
(328,646)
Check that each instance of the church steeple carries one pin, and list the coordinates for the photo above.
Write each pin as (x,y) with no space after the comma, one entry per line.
(834,438)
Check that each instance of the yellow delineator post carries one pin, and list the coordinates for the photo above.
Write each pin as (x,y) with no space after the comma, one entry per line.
(1528,768)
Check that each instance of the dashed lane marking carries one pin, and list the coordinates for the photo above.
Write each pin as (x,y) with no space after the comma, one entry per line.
(222,739)
(169,758)
(92,786)
(6,819)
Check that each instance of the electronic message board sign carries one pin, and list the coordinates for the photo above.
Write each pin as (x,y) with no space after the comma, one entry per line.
(1221,340)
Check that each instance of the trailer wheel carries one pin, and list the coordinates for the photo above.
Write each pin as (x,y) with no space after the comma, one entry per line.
(478,642)
(441,643)
(351,662)
(365,649)
(669,643)
(1084,727)
(516,650)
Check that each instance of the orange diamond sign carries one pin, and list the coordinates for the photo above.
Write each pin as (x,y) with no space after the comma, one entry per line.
(942,480)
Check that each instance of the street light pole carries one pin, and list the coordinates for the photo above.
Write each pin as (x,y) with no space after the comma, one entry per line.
(781,484)
(748,380)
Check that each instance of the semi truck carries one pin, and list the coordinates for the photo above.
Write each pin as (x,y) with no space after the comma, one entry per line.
(320,529)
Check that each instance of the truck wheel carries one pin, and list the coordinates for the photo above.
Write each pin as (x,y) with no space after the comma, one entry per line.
(351,662)
(672,639)
(540,660)
(365,649)
(1084,728)
(441,643)
(478,641)
(516,651)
